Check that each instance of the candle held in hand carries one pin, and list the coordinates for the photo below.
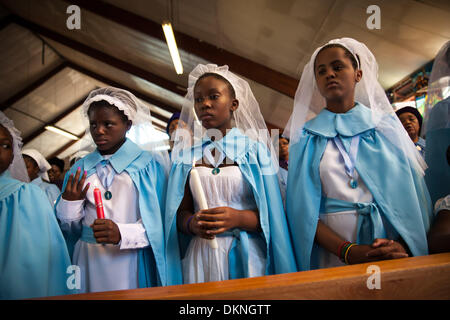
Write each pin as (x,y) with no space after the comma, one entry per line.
(197,185)
(99,203)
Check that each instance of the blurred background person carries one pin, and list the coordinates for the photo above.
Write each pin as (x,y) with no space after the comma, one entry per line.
(172,125)
(283,158)
(55,174)
(411,120)
(283,144)
(37,168)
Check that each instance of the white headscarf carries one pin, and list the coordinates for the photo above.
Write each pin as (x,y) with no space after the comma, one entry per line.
(438,89)
(42,163)
(247,117)
(17,168)
(308,102)
(134,110)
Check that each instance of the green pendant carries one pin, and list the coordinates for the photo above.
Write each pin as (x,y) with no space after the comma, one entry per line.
(108,195)
(353,184)
(215,171)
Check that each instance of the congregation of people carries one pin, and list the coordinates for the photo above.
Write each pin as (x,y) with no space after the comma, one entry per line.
(348,181)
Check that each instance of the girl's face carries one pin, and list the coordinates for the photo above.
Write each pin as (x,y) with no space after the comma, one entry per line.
(213,103)
(108,128)
(335,76)
(32,167)
(6,149)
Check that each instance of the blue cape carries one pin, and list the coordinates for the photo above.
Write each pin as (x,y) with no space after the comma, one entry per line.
(398,190)
(150,181)
(51,190)
(254,161)
(437,175)
(33,254)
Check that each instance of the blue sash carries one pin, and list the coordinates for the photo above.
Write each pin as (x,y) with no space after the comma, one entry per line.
(87,235)
(238,254)
(370,224)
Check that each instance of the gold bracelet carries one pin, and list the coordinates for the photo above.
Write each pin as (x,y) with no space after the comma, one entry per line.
(347,251)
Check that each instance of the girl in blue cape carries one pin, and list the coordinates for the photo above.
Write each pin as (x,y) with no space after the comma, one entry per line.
(126,249)
(355,190)
(33,254)
(237,169)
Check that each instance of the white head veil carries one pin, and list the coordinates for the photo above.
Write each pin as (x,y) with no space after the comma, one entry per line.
(438,89)
(308,101)
(247,117)
(42,163)
(17,168)
(134,110)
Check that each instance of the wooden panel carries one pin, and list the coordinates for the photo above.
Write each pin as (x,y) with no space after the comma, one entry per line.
(426,277)
(22,93)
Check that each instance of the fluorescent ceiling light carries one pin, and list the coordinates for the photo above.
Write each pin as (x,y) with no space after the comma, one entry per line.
(62,132)
(171,43)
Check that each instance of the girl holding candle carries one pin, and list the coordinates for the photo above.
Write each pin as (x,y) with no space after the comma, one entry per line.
(33,254)
(355,189)
(125,250)
(227,140)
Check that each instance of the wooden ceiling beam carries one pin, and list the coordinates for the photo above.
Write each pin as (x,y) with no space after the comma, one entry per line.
(59,117)
(113,83)
(101,56)
(31,87)
(6,21)
(270,78)
(65,147)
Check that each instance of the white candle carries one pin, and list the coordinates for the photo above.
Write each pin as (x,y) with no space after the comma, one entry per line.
(198,189)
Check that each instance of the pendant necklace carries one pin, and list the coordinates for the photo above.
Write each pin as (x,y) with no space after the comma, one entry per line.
(106,175)
(349,158)
(108,195)
(210,158)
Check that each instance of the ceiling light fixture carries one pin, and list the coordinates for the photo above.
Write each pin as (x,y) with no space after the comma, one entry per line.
(171,43)
(62,132)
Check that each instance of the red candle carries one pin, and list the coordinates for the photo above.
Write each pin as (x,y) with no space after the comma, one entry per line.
(99,203)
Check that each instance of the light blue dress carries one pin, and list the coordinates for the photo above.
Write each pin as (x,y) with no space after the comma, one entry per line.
(33,254)
(50,189)
(149,179)
(256,166)
(400,196)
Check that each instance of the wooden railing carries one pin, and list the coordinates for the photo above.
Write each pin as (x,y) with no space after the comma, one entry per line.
(426,277)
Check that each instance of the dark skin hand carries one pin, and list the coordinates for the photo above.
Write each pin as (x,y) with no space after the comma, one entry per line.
(380,249)
(105,230)
(74,189)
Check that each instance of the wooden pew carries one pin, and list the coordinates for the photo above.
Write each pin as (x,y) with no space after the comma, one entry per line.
(426,277)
